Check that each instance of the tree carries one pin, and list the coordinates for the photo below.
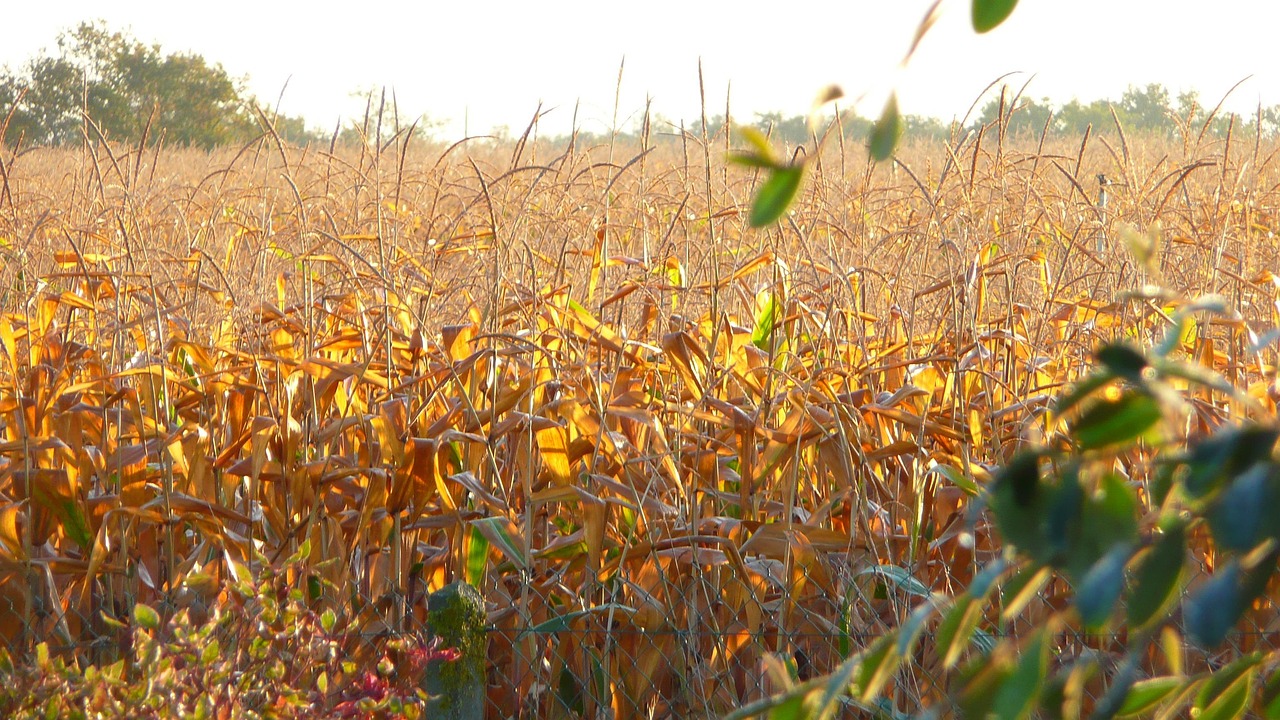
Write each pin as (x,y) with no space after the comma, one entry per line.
(1147,109)
(124,86)
(1026,116)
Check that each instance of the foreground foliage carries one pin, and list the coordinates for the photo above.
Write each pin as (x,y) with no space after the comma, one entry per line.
(262,652)
(1118,549)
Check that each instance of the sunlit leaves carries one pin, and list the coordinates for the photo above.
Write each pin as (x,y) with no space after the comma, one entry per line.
(1146,695)
(958,625)
(1226,692)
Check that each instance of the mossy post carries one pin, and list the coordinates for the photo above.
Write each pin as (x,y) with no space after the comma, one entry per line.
(456,615)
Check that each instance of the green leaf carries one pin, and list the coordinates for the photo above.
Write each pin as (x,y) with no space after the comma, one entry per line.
(1244,514)
(145,616)
(1227,691)
(1064,516)
(760,143)
(1016,499)
(561,623)
(981,681)
(956,629)
(752,160)
(1195,375)
(877,667)
(1023,476)
(67,510)
(985,580)
(477,555)
(913,626)
(603,682)
(899,576)
(1021,689)
(303,552)
(1123,361)
(824,702)
(1098,592)
(957,478)
(791,708)
(497,530)
(766,319)
(1226,454)
(1065,691)
(988,14)
(1165,475)
(1158,577)
(327,620)
(1269,698)
(1082,390)
(886,131)
(1117,422)
(1181,334)
(1021,589)
(569,692)
(1145,695)
(1213,610)
(776,194)
(211,652)
(1107,519)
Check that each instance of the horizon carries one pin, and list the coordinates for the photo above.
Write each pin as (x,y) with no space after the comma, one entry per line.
(319,66)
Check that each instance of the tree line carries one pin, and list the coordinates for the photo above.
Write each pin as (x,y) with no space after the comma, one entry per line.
(1144,110)
(101,84)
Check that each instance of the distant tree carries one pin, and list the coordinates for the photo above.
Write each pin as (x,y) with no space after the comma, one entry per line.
(1023,115)
(293,129)
(122,85)
(917,126)
(1147,109)
(1075,116)
(792,130)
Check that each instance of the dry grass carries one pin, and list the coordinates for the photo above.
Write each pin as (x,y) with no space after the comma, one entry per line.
(546,372)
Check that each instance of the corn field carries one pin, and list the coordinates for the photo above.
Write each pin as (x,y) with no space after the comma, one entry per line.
(669,450)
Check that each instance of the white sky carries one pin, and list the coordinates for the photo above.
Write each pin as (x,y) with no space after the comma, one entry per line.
(492,62)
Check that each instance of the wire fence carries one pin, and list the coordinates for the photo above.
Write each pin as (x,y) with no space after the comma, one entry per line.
(705,668)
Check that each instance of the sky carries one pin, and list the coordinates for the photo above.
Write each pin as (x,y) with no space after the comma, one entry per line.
(473,66)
